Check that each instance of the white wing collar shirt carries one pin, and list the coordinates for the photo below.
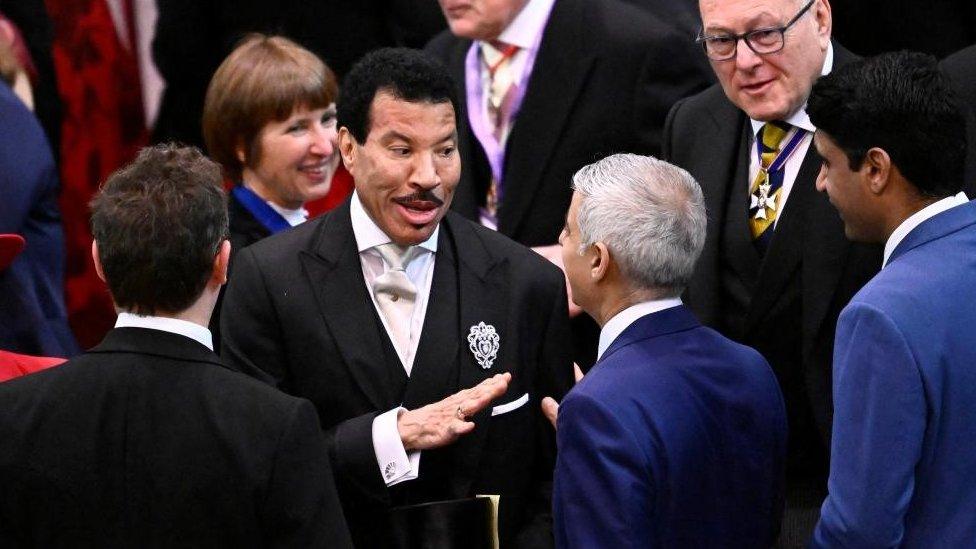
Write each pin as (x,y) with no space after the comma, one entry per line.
(395,464)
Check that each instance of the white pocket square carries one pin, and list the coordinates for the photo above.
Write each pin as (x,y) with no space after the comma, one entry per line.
(509,406)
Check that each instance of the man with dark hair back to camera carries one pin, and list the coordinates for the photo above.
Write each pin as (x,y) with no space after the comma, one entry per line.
(902,464)
(147,440)
(402,322)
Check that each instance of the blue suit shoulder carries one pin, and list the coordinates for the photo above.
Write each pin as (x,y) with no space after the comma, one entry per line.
(934,275)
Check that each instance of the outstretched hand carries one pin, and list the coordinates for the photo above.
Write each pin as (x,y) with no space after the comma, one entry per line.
(442,422)
(550,408)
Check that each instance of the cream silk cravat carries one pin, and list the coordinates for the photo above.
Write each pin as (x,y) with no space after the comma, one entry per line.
(395,293)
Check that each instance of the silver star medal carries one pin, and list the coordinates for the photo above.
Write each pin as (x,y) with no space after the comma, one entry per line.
(483,341)
(762,201)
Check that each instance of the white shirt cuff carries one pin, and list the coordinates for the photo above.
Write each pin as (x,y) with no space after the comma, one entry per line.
(396,465)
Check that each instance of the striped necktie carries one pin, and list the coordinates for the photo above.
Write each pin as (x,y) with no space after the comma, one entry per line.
(501,95)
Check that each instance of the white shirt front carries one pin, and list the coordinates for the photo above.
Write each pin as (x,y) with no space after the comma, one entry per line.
(919,217)
(622,320)
(192,330)
(799,119)
(395,464)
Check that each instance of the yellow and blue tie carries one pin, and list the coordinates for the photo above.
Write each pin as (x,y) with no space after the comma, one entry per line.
(765,192)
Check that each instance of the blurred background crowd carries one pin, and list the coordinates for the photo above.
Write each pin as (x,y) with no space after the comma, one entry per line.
(104,78)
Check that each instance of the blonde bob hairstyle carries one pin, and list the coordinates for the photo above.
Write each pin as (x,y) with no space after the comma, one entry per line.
(263,80)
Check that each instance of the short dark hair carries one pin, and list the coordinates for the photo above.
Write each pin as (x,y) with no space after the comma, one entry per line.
(902,103)
(263,80)
(159,222)
(409,75)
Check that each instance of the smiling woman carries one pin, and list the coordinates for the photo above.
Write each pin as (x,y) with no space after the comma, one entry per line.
(269,119)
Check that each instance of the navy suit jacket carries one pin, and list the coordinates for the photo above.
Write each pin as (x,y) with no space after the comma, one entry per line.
(902,459)
(33,318)
(676,438)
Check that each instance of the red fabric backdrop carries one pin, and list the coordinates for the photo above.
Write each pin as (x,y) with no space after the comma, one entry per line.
(103,129)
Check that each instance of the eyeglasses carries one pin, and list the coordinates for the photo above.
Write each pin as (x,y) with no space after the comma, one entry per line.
(761,41)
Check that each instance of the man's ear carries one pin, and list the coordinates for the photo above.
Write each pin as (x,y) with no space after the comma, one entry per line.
(599,258)
(821,11)
(221,261)
(98,262)
(877,168)
(347,148)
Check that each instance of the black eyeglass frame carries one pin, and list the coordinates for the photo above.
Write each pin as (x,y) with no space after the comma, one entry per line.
(746,36)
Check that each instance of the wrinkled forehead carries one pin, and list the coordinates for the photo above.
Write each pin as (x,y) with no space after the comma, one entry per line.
(422,120)
(743,15)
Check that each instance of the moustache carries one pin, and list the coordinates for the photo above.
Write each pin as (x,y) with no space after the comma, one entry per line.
(420,196)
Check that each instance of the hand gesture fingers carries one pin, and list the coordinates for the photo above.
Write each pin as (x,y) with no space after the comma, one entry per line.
(442,422)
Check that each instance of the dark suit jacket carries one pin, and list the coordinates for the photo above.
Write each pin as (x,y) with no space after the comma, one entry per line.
(243,227)
(604,78)
(960,67)
(33,318)
(298,315)
(147,440)
(676,438)
(810,270)
(244,230)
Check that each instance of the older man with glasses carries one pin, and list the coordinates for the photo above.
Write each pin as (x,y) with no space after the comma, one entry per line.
(776,269)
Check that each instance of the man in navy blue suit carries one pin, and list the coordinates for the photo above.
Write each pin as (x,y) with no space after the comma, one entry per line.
(677,436)
(893,142)
(33,318)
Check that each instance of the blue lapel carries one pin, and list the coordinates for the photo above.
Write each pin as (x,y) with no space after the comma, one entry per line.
(942,224)
(668,321)
(265,214)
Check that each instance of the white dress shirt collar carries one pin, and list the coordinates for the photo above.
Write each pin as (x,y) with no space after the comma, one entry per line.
(524,31)
(800,118)
(293,217)
(369,235)
(622,320)
(192,330)
(917,218)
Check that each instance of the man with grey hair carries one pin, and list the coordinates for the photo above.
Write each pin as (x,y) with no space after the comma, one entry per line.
(677,436)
